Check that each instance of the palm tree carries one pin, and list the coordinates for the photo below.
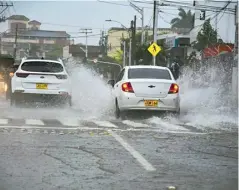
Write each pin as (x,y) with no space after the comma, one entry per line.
(185,20)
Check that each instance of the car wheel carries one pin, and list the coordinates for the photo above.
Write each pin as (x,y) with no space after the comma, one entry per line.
(117,110)
(67,102)
(177,114)
(70,102)
(12,100)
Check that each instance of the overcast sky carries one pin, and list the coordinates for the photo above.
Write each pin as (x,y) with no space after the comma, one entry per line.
(71,16)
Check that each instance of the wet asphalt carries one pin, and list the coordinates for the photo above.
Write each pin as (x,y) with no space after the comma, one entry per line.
(121,160)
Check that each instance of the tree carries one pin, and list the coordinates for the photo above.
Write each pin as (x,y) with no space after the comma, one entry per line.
(56,52)
(142,55)
(34,49)
(206,37)
(185,19)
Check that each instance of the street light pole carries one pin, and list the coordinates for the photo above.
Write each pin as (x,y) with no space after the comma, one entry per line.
(155,16)
(124,58)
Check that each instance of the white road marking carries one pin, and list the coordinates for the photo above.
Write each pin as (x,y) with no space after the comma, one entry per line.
(134,124)
(29,131)
(24,128)
(105,124)
(3,121)
(37,130)
(33,122)
(168,126)
(165,126)
(69,122)
(147,166)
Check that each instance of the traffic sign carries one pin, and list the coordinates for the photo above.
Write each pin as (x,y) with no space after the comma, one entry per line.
(154,49)
(95,60)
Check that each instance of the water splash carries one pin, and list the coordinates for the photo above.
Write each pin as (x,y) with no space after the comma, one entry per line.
(91,98)
(205,99)
(91,95)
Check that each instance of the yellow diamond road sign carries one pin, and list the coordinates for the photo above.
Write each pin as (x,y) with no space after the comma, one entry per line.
(154,49)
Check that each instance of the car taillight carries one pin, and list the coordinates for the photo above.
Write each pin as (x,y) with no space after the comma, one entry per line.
(61,76)
(22,75)
(174,88)
(127,87)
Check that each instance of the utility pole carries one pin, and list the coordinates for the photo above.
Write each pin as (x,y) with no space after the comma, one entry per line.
(124,56)
(133,29)
(236,31)
(15,43)
(130,48)
(102,43)
(86,31)
(155,26)
(141,12)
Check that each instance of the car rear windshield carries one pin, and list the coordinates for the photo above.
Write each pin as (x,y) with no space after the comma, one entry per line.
(40,66)
(149,73)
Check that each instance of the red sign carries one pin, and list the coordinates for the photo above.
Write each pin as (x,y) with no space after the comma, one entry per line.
(217,50)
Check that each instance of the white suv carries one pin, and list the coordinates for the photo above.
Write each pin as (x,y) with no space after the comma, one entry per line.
(43,79)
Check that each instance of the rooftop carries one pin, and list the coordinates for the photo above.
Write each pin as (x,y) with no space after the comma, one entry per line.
(42,33)
(139,28)
(34,22)
(18,17)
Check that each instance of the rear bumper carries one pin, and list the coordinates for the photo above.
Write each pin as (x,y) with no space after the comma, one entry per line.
(36,91)
(40,97)
(170,103)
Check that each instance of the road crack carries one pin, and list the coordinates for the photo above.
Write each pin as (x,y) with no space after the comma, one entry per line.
(211,153)
(60,160)
(99,161)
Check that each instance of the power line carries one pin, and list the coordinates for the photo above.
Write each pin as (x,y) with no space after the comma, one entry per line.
(76,26)
(120,4)
(189,6)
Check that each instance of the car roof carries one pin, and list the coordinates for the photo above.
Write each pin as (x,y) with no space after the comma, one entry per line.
(146,66)
(42,60)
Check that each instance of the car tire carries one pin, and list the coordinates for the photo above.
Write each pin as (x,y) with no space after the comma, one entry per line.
(70,102)
(177,113)
(67,102)
(12,100)
(117,110)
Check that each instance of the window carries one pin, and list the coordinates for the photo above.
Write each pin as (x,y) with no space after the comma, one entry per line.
(38,66)
(149,73)
(120,76)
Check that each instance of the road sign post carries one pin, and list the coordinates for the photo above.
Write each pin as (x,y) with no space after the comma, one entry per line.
(154,49)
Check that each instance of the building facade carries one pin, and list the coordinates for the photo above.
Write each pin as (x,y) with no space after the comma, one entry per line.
(78,50)
(30,38)
(115,35)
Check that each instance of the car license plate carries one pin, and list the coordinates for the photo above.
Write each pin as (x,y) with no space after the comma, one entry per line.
(41,86)
(151,103)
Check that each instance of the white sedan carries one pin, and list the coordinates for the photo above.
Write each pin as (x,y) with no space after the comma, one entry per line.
(43,79)
(149,88)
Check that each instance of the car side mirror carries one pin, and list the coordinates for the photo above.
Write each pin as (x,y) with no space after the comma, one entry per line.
(111,82)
